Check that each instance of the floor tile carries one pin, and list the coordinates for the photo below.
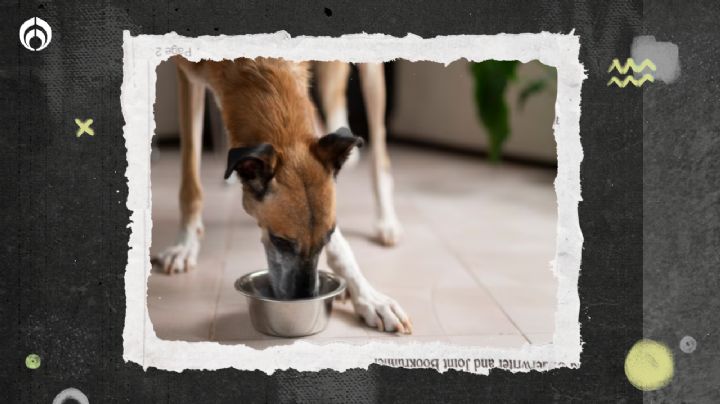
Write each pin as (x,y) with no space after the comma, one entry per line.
(201,282)
(418,305)
(509,341)
(232,323)
(540,338)
(469,311)
(532,315)
(195,325)
(472,267)
(402,339)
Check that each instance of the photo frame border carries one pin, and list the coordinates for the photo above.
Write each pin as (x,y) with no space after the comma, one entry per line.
(142,54)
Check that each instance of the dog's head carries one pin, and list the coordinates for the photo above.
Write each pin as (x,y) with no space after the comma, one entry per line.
(291,194)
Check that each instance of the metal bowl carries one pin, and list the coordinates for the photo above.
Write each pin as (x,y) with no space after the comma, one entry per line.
(289,318)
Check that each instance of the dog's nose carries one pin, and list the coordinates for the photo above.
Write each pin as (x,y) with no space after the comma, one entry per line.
(306,283)
(300,282)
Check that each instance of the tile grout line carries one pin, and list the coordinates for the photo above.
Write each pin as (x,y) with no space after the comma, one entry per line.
(432,289)
(481,284)
(492,296)
(221,278)
(434,309)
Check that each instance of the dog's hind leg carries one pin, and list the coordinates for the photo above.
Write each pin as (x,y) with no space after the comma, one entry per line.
(372,80)
(183,255)
(376,309)
(332,78)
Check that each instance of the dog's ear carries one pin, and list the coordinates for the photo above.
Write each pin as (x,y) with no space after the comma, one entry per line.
(255,166)
(334,149)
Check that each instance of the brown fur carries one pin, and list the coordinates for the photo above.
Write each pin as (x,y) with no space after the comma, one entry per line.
(266,100)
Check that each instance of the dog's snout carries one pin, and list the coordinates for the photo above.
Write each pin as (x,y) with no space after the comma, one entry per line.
(292,276)
(294,283)
(306,283)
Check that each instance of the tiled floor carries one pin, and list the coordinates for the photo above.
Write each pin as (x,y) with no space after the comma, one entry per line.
(473,267)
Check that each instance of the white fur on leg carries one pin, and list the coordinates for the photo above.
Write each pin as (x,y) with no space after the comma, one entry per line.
(388,226)
(353,158)
(376,309)
(182,256)
(339,119)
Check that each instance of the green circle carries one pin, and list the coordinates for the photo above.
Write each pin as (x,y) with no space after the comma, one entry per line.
(32,361)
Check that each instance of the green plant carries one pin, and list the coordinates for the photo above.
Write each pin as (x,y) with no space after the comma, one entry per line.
(491,80)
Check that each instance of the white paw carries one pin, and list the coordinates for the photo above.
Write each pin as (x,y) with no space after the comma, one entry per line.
(381,312)
(388,231)
(181,257)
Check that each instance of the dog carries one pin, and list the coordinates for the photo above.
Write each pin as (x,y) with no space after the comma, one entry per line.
(332,78)
(287,173)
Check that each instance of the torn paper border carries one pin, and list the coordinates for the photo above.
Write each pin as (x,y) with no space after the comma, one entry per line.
(143,53)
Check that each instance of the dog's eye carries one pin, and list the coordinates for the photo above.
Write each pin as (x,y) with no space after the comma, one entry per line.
(282,243)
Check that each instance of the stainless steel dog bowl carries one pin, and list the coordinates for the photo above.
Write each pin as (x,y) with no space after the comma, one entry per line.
(289,318)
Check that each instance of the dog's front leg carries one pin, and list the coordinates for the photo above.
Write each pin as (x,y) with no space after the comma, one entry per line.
(376,309)
(183,255)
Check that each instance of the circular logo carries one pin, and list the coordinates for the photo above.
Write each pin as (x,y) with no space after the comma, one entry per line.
(35,34)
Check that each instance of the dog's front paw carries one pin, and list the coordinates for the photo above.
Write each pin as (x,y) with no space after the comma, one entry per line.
(381,312)
(388,231)
(181,257)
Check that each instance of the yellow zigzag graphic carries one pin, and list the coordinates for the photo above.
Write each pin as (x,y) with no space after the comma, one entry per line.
(630,64)
(630,79)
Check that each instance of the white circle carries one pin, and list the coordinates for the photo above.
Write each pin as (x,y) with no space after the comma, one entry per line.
(71,393)
(688,344)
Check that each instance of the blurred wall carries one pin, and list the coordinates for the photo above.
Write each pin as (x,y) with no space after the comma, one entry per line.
(436,104)
(431,103)
(166,102)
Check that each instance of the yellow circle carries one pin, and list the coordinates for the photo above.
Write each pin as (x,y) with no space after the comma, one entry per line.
(649,365)
(32,361)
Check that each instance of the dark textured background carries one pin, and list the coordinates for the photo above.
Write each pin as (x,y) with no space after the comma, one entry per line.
(681,186)
(64,220)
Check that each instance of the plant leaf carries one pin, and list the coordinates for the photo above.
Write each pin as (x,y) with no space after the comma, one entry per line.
(491,79)
(531,88)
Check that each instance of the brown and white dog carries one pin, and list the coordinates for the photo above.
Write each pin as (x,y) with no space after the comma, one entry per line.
(287,171)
